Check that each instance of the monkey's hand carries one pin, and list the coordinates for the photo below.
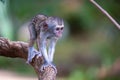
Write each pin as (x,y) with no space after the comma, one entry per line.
(32,52)
(46,64)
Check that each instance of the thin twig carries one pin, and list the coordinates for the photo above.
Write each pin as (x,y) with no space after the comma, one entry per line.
(106,13)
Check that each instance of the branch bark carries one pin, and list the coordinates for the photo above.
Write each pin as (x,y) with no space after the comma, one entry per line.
(18,49)
(106,13)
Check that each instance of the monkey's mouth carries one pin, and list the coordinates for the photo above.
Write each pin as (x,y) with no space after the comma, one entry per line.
(58,35)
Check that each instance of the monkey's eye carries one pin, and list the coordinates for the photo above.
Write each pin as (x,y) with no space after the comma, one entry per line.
(61,28)
(57,29)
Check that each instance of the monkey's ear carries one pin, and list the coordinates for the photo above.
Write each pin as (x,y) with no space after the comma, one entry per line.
(45,26)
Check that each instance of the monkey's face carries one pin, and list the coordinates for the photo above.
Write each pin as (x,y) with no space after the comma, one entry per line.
(58,30)
(55,26)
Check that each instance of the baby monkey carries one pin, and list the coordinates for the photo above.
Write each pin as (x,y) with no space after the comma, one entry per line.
(43,29)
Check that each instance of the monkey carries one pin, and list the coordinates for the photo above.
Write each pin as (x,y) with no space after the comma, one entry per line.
(44,29)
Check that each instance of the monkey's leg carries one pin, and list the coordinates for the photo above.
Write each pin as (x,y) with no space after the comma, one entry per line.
(31,50)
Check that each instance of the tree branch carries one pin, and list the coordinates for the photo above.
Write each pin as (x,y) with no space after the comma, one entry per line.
(106,13)
(18,49)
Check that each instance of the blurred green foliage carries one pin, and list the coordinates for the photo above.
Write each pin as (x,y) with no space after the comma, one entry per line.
(92,40)
(6,28)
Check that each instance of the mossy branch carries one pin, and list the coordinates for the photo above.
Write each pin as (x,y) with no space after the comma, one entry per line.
(18,49)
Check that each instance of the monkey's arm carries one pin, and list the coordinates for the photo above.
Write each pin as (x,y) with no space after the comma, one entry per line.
(43,47)
(31,50)
(51,49)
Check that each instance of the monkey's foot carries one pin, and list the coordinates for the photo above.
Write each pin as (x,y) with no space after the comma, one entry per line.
(39,55)
(47,65)
(32,52)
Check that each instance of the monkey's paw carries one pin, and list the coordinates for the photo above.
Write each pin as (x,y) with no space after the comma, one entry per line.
(53,65)
(47,65)
(32,52)
(44,66)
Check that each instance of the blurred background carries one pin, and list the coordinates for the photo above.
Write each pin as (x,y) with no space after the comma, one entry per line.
(89,48)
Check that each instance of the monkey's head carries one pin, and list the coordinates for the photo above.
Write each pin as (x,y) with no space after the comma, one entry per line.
(55,26)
